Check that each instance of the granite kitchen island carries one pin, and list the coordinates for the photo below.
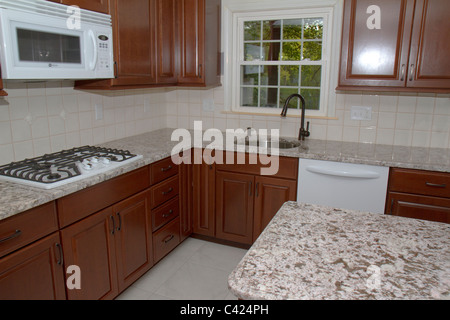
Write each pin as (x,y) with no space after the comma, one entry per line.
(315,252)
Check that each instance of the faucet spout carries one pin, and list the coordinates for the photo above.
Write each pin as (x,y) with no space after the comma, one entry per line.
(303,132)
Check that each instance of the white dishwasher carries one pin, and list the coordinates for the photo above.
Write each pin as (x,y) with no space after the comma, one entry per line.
(342,185)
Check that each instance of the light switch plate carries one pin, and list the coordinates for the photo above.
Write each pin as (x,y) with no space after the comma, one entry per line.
(361,113)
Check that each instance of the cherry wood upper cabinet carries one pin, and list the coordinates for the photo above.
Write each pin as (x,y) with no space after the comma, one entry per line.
(199,42)
(94,5)
(395,45)
(429,64)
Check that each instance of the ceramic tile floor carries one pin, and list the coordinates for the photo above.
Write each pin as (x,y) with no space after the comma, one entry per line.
(195,270)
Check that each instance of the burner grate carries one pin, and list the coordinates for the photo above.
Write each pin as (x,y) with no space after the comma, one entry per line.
(60,166)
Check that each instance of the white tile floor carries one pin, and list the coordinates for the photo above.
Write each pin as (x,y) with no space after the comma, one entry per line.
(195,270)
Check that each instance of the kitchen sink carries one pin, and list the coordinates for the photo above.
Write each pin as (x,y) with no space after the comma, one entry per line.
(267,143)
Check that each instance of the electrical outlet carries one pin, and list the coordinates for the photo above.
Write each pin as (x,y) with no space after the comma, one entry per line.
(361,113)
(208,105)
(98,112)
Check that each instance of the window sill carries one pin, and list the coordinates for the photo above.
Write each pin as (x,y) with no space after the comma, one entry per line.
(277,115)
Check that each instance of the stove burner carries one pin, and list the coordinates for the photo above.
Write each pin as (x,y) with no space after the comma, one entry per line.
(66,164)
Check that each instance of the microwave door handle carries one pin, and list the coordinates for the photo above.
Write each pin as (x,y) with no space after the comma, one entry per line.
(94,43)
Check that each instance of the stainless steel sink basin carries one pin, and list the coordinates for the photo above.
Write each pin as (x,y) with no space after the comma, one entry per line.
(282,144)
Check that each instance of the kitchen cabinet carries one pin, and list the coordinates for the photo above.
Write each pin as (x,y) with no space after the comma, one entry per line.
(94,5)
(395,46)
(166,207)
(112,248)
(199,42)
(162,43)
(30,256)
(144,45)
(34,272)
(203,206)
(90,245)
(246,201)
(186,197)
(419,194)
(234,206)
(270,195)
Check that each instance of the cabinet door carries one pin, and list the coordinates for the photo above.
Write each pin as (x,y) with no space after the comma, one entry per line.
(34,272)
(234,206)
(191,14)
(90,245)
(186,196)
(165,30)
(270,195)
(203,218)
(375,42)
(133,238)
(134,39)
(429,64)
(418,207)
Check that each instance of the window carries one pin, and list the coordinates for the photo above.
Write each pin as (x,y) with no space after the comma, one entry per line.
(276,53)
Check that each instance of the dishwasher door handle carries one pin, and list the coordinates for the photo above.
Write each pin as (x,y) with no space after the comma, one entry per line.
(354,173)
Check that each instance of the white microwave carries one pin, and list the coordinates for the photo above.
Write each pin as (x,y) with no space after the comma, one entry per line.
(46,40)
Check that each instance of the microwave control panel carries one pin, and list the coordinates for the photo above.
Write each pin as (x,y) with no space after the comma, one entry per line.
(104,49)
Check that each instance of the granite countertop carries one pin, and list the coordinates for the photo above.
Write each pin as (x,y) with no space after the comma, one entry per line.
(157,145)
(315,252)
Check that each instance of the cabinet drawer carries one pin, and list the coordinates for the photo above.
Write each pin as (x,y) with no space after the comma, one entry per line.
(420,182)
(83,203)
(418,207)
(26,227)
(287,167)
(164,191)
(162,170)
(166,239)
(165,213)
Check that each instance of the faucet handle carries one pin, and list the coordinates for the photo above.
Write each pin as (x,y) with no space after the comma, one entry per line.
(307,133)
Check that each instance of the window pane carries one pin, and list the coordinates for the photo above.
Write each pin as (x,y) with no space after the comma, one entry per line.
(269,97)
(250,75)
(312,51)
(291,51)
(313,28)
(249,97)
(292,29)
(271,51)
(289,75)
(272,30)
(312,98)
(285,93)
(252,30)
(269,76)
(311,76)
(252,52)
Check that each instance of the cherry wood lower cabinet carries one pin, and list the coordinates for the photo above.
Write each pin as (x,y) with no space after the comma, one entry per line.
(203,206)
(419,194)
(234,206)
(270,195)
(246,201)
(112,248)
(34,272)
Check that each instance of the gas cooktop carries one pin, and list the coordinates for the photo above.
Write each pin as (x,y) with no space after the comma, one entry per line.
(59,168)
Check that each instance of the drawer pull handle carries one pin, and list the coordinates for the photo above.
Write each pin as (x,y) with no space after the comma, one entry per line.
(436,185)
(166,169)
(15,235)
(168,238)
(167,192)
(166,215)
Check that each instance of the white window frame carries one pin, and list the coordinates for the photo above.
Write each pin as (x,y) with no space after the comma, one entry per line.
(235,12)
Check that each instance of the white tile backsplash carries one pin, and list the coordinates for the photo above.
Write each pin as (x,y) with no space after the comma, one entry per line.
(38,118)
